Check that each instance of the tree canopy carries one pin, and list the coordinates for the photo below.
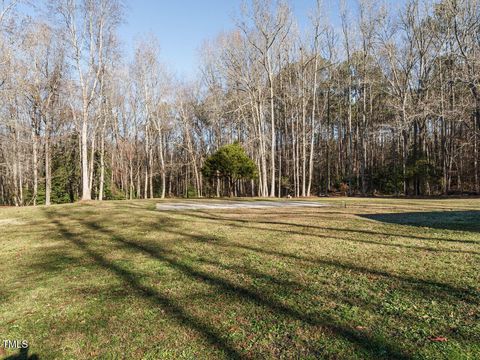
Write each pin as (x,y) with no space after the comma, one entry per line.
(230,163)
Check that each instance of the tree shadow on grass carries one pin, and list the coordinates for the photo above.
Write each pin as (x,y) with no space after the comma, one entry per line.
(374,347)
(22,355)
(468,220)
(431,288)
(133,281)
(425,286)
(55,260)
(212,216)
(240,222)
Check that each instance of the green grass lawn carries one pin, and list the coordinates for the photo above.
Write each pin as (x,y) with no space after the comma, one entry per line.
(378,279)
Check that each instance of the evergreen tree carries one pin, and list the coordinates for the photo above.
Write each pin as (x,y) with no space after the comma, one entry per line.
(230,163)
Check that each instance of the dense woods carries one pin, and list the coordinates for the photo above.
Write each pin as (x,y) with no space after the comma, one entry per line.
(378,101)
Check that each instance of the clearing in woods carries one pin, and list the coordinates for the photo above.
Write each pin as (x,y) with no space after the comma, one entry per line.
(379,278)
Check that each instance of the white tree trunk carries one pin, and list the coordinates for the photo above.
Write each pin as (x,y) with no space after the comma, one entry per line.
(102,166)
(86,195)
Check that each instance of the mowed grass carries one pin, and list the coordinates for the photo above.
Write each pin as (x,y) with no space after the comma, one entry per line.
(375,279)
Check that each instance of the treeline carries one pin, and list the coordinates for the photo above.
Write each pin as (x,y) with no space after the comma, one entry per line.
(384,102)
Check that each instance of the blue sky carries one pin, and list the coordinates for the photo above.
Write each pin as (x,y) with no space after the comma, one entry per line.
(182,25)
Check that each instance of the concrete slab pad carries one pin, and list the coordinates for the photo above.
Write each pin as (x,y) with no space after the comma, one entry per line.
(227,204)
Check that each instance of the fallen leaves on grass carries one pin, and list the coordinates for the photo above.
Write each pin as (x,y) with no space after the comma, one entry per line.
(437,338)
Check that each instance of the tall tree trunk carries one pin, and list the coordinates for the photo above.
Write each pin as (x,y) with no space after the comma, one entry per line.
(35,162)
(162,164)
(312,124)
(92,163)
(102,165)
(475,145)
(272,125)
(150,173)
(304,137)
(48,170)
(86,195)
(147,162)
